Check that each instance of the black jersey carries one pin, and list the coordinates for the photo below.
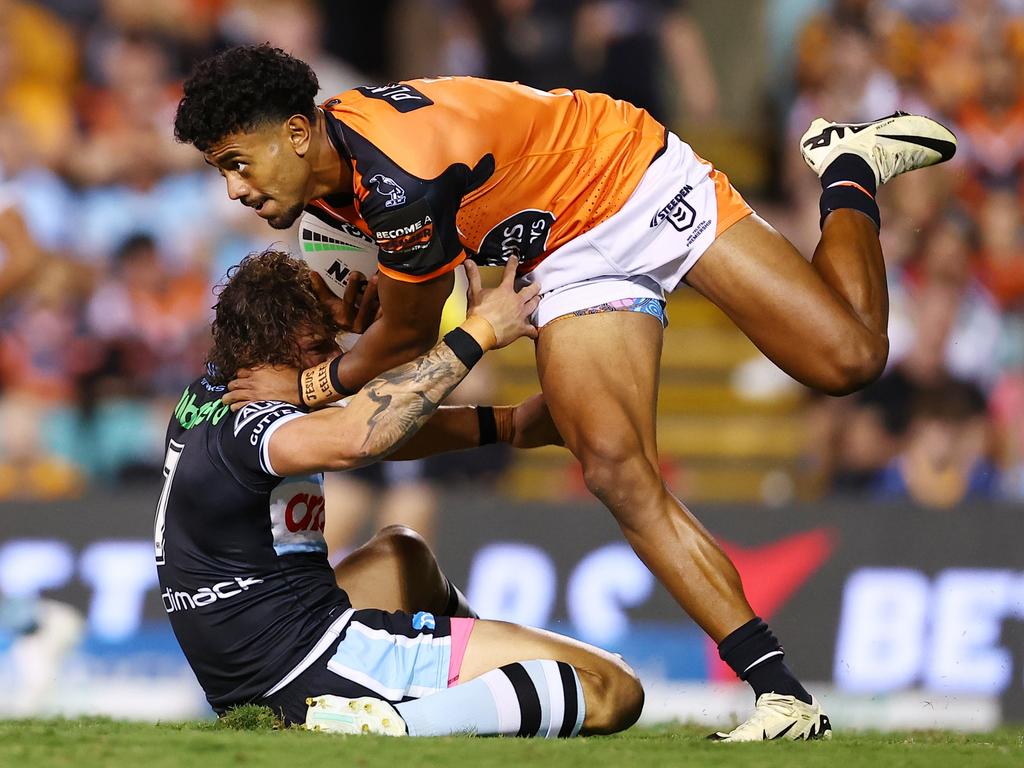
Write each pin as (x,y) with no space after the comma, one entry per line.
(240,551)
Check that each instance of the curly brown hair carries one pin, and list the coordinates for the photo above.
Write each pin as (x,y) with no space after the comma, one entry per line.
(263,305)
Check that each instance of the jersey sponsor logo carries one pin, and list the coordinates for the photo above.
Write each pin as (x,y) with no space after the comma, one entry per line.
(677,212)
(176,601)
(387,187)
(523,235)
(188,415)
(401,96)
(304,512)
(342,226)
(412,237)
(265,410)
(297,516)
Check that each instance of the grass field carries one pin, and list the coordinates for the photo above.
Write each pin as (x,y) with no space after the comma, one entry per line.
(90,743)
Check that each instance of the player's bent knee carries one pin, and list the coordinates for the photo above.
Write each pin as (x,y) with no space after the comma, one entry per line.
(403,543)
(858,363)
(616,700)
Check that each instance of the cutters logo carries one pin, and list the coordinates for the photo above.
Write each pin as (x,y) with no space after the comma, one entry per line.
(268,410)
(389,188)
(412,237)
(187,601)
(679,213)
(312,513)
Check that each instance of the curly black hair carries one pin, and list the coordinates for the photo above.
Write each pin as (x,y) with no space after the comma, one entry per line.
(263,305)
(241,89)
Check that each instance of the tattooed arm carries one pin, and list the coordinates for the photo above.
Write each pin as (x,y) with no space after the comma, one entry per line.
(391,408)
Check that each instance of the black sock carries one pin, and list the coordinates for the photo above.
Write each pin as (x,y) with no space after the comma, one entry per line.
(849,182)
(755,655)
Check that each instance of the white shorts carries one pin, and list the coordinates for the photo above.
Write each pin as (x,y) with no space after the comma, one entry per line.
(645,249)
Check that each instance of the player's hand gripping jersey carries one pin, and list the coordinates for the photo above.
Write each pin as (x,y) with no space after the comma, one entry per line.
(449,167)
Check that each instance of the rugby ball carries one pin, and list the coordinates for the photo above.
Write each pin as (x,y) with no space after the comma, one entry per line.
(334,249)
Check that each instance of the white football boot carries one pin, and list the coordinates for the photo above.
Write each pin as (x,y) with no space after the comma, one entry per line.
(780,717)
(365,715)
(891,146)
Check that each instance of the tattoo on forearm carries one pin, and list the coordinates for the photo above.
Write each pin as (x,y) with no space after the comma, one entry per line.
(407,396)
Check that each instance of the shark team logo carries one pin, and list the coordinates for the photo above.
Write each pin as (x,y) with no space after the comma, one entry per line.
(387,187)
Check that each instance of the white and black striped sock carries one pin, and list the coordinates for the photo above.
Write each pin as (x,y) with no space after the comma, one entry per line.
(529,698)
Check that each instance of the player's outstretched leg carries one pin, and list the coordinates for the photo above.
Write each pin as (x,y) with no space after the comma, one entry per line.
(513,681)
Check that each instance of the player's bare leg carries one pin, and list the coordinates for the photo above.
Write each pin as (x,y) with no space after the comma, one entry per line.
(612,432)
(614,357)
(611,690)
(575,687)
(824,322)
(397,571)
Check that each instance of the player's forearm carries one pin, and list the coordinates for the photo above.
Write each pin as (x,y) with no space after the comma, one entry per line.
(393,406)
(457,428)
(383,347)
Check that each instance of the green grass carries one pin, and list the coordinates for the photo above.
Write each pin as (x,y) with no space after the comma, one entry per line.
(251,740)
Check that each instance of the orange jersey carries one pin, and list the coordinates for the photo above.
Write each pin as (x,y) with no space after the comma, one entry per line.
(449,167)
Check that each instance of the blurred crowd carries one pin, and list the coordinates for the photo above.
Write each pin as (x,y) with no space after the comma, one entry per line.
(111,234)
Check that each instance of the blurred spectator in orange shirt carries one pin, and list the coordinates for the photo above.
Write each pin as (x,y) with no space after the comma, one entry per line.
(992,125)
(1001,253)
(146,316)
(127,119)
(38,70)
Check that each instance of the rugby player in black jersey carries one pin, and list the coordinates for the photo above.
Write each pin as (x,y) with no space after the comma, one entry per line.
(384,643)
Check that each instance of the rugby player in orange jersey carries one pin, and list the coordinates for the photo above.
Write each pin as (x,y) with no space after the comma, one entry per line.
(606,211)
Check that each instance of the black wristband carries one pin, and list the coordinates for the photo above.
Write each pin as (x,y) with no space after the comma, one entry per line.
(465,347)
(488,426)
(336,379)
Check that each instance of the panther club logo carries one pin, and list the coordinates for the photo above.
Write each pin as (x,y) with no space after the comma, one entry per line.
(677,212)
(387,187)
